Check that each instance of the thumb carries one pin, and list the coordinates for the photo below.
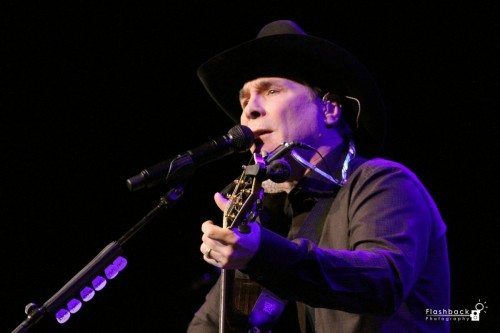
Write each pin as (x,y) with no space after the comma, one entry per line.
(221,201)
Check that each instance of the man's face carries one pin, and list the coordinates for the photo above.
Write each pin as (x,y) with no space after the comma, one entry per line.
(279,110)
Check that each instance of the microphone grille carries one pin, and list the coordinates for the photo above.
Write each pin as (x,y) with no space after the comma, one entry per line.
(242,137)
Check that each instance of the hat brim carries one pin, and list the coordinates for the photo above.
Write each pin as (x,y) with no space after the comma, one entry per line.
(303,58)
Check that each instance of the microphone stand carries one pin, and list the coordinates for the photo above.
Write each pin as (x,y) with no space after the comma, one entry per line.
(104,258)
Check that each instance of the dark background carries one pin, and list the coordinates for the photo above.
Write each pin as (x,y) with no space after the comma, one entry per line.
(92,94)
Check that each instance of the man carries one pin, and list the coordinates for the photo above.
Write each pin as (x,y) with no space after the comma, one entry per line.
(348,244)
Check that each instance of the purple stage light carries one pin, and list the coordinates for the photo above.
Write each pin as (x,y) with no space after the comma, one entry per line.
(99,282)
(111,271)
(62,316)
(74,305)
(87,294)
(120,263)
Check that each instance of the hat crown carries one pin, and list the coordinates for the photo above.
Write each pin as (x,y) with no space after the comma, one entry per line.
(280,27)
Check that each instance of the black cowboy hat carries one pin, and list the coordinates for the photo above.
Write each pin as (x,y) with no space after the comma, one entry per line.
(283,49)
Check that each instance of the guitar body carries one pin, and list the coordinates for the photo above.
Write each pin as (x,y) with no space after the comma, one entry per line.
(243,294)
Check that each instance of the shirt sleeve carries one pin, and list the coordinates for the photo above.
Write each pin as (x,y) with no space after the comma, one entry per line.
(389,216)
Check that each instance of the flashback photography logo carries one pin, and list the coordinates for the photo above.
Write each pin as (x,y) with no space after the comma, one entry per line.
(457,315)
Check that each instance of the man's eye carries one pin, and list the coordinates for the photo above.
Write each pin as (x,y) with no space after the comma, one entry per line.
(272,91)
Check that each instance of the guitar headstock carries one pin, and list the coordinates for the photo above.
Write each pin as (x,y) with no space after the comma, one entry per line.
(246,198)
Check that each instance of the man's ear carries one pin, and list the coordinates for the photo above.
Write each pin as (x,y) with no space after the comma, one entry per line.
(332,109)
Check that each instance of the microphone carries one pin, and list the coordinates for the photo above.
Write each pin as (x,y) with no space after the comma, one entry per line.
(279,171)
(238,139)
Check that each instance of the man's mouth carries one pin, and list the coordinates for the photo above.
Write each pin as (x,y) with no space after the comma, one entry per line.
(260,132)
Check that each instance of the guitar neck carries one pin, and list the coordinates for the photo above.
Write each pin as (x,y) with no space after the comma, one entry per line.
(223,301)
(225,298)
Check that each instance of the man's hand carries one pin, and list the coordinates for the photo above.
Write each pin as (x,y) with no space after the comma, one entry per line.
(228,248)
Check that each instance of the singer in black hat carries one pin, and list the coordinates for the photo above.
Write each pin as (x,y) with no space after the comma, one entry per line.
(352,242)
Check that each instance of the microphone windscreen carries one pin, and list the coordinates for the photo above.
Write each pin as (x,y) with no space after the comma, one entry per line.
(242,137)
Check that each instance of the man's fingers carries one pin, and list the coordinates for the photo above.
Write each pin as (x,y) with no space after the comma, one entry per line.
(221,201)
(225,236)
(208,227)
(209,254)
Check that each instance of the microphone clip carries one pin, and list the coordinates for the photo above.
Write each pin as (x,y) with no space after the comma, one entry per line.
(277,170)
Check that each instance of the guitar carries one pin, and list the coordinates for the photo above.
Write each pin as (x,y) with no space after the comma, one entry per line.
(238,295)
(244,303)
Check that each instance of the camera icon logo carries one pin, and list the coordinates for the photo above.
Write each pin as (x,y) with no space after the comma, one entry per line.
(474,315)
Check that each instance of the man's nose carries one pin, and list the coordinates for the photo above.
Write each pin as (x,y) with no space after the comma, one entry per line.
(254,108)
